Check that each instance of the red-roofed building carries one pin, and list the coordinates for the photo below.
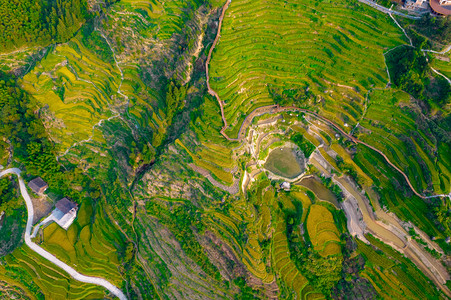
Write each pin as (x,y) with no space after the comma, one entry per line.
(441,7)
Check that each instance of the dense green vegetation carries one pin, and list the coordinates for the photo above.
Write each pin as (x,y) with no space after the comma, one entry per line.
(438,29)
(12,223)
(409,70)
(185,222)
(34,22)
(290,96)
(19,124)
(7,194)
(165,210)
(304,144)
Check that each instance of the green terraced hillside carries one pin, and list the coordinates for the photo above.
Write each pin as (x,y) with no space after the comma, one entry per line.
(122,118)
(300,45)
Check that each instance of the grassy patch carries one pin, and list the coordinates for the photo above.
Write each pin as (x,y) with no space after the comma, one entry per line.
(283,162)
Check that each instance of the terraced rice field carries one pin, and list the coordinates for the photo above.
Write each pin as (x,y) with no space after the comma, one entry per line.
(322,231)
(213,163)
(156,19)
(286,268)
(258,229)
(443,66)
(75,86)
(401,133)
(98,75)
(295,44)
(392,275)
(41,278)
(90,247)
(79,91)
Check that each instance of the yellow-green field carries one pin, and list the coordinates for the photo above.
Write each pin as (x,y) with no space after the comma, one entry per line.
(40,277)
(88,244)
(322,231)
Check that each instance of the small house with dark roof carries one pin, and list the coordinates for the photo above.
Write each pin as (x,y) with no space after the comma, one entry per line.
(65,212)
(38,185)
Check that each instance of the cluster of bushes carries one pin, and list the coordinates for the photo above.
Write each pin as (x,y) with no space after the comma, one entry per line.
(8,194)
(12,224)
(335,189)
(304,144)
(246,292)
(93,41)
(348,170)
(285,97)
(409,71)
(436,28)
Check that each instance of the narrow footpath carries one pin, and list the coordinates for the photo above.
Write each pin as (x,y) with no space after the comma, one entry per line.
(47,255)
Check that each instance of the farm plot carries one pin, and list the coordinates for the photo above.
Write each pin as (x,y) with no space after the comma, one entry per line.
(322,231)
(42,278)
(394,276)
(299,44)
(91,247)
(286,268)
(396,131)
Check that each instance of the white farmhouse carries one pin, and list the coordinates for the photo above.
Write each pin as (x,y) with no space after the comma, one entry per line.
(285,185)
(65,212)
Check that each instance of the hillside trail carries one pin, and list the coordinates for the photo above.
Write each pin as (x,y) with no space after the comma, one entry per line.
(47,255)
(119,92)
(407,247)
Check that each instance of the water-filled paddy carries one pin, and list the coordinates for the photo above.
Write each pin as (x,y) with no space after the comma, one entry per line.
(285,162)
(315,185)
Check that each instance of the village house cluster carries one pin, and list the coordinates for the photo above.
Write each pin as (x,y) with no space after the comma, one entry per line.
(65,210)
(441,7)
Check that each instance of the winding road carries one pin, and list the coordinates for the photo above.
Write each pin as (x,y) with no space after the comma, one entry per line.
(47,255)
(388,10)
